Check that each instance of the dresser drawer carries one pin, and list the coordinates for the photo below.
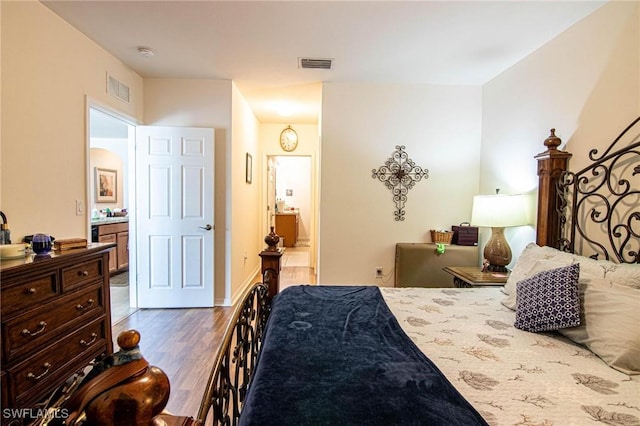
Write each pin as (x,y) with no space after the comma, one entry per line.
(80,274)
(33,378)
(30,293)
(25,332)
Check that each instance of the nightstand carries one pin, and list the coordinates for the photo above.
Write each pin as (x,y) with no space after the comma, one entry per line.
(472,276)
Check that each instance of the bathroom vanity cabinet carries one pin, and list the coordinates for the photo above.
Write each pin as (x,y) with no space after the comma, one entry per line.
(287,228)
(116,233)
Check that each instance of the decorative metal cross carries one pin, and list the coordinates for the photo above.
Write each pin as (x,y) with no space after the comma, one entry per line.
(400,174)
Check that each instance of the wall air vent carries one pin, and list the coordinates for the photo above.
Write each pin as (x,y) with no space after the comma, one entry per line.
(117,88)
(315,63)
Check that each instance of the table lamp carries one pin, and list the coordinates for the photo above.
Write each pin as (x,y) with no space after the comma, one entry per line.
(497,212)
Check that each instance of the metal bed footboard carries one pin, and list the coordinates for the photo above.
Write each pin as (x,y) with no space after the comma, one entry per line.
(236,359)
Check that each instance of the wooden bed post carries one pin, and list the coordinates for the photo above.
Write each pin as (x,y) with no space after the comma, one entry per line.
(271,262)
(551,164)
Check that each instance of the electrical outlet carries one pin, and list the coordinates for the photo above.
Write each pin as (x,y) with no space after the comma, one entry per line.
(379,272)
(79,208)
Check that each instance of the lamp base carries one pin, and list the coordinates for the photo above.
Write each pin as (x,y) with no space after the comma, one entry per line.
(497,251)
(497,268)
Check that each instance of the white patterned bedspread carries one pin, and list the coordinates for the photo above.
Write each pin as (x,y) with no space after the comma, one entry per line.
(512,377)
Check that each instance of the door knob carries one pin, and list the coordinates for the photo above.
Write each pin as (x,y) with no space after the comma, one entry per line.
(206,228)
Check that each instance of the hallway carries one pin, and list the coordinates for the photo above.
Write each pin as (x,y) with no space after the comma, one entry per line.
(295,267)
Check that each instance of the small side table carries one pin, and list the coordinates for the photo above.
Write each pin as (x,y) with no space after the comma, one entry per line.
(472,276)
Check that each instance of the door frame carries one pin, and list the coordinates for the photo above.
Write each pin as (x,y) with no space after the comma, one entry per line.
(92,103)
(313,226)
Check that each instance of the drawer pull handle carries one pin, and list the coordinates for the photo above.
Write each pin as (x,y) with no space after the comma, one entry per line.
(83,273)
(90,303)
(46,366)
(28,333)
(30,291)
(94,337)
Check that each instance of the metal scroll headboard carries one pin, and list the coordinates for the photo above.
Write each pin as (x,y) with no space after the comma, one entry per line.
(599,206)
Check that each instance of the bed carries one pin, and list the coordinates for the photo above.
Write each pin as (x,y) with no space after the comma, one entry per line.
(559,344)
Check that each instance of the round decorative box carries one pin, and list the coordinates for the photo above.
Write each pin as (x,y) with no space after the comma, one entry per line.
(41,244)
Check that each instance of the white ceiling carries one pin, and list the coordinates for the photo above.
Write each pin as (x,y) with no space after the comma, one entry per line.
(257,43)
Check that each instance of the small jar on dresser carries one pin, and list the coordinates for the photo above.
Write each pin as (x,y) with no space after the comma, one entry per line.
(56,319)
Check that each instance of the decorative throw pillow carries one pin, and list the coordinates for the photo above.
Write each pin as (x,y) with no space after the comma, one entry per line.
(549,300)
(609,323)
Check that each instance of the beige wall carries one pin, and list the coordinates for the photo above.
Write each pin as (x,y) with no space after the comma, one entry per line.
(361,126)
(245,208)
(48,69)
(585,83)
(105,159)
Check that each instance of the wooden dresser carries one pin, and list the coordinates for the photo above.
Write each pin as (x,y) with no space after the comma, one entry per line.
(55,320)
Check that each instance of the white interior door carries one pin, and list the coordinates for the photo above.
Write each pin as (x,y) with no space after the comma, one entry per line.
(175,216)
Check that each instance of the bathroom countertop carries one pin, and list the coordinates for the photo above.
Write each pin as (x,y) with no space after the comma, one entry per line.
(106,220)
(294,211)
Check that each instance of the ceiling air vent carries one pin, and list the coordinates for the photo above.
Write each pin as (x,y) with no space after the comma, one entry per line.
(315,63)
(117,88)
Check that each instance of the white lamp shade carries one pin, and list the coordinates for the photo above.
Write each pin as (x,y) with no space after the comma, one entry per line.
(499,211)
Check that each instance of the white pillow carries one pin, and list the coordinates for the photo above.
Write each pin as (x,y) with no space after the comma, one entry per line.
(609,323)
(622,274)
(536,267)
(527,259)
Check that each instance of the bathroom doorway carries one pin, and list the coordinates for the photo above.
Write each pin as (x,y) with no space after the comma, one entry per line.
(290,194)
(111,145)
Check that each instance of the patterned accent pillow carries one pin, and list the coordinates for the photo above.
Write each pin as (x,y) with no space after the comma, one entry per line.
(549,300)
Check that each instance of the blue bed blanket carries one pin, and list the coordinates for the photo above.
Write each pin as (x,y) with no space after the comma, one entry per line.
(337,356)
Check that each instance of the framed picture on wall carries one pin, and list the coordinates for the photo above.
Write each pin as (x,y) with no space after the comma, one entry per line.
(249,167)
(106,183)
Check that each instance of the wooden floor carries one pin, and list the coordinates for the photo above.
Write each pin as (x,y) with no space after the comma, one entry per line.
(183,342)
